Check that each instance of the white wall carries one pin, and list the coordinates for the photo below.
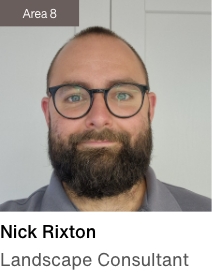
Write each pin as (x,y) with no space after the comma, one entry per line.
(173,37)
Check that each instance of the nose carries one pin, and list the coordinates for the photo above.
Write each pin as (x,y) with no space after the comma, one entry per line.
(99,116)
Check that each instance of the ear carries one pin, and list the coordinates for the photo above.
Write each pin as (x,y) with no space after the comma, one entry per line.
(152,104)
(45,108)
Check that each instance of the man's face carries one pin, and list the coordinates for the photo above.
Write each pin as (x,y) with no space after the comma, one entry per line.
(98,62)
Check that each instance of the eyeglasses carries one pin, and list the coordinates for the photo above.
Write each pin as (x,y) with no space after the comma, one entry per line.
(123,100)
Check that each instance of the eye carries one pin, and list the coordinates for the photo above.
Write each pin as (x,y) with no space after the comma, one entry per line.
(122,96)
(75,98)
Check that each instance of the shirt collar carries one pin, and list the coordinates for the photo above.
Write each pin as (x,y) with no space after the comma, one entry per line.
(157,197)
(55,198)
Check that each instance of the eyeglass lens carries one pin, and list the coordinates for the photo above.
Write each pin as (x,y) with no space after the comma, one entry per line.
(123,100)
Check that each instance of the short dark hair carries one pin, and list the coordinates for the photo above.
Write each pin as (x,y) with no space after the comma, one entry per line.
(96,30)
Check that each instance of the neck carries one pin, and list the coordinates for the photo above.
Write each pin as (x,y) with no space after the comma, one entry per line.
(128,201)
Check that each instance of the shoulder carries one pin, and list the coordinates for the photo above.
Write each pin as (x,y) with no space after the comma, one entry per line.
(32,203)
(188,200)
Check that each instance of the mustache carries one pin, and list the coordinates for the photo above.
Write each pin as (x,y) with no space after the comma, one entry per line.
(105,134)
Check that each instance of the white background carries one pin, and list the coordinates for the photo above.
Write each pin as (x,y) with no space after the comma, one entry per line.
(173,38)
(118,234)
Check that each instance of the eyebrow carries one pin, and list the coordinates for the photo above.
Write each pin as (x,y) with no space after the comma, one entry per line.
(110,83)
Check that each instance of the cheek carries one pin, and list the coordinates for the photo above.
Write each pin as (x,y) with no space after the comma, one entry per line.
(65,127)
(140,122)
(135,125)
(62,126)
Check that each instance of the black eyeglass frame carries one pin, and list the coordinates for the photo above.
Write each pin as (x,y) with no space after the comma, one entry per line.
(143,89)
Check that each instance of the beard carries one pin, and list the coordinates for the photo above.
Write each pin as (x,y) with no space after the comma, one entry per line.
(100,172)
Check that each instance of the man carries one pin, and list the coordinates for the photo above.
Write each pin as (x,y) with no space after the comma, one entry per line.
(99,111)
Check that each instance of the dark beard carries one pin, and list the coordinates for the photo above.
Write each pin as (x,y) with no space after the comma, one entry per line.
(100,172)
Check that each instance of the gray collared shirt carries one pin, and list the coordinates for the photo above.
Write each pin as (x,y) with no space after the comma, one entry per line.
(159,197)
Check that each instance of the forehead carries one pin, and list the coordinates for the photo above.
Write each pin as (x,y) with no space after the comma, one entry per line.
(95,56)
